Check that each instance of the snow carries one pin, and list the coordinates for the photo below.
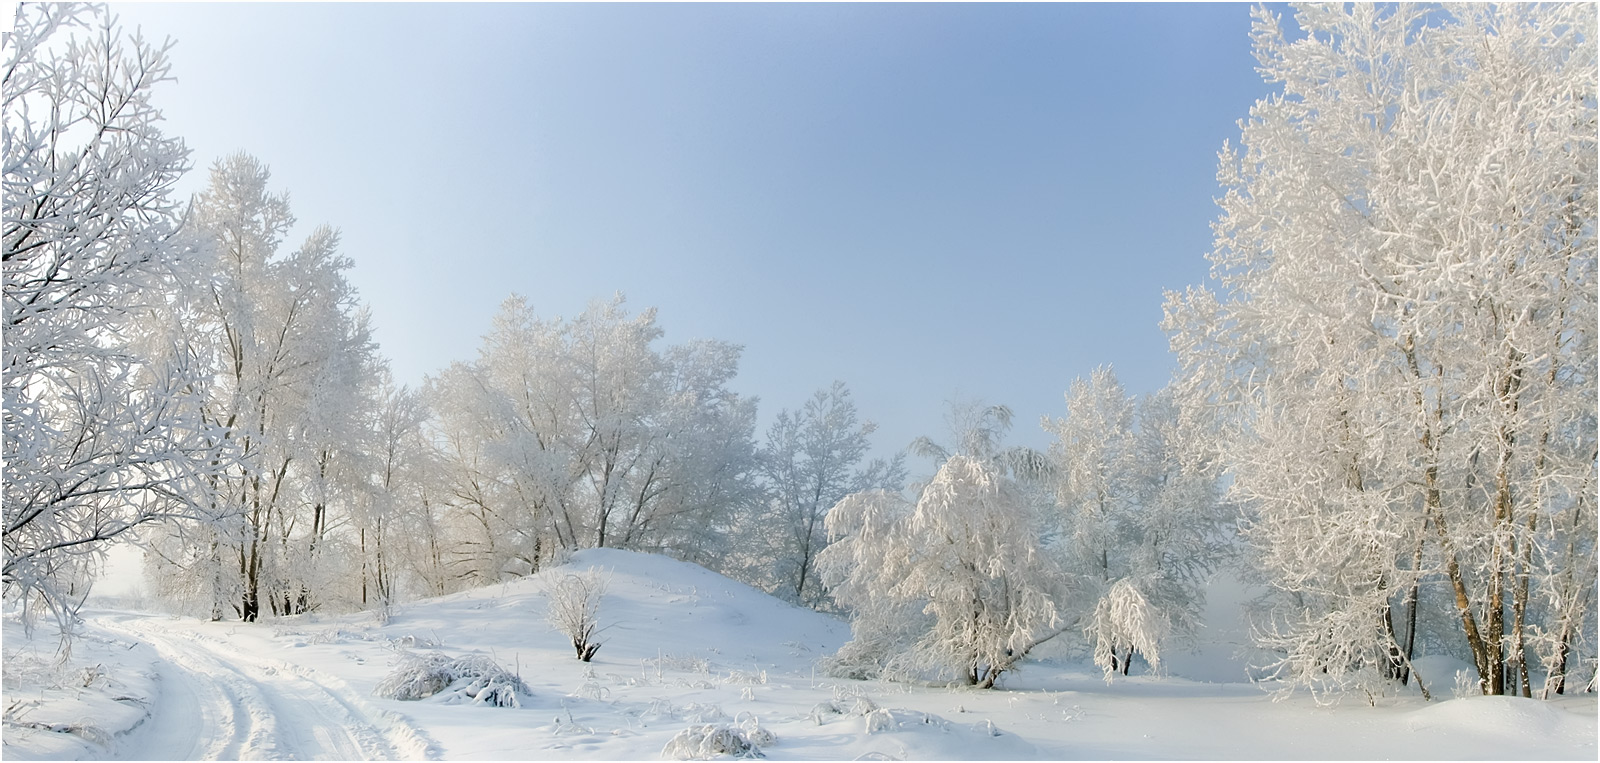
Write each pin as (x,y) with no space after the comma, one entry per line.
(682,648)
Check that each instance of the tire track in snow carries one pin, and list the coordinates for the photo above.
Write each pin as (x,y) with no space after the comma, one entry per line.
(253,708)
(204,710)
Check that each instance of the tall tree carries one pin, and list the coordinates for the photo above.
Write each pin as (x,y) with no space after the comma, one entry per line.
(1400,353)
(293,366)
(393,528)
(102,431)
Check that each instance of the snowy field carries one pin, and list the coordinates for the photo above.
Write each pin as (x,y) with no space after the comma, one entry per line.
(682,647)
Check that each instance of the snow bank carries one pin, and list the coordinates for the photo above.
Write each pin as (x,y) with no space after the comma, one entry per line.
(1502,725)
(76,708)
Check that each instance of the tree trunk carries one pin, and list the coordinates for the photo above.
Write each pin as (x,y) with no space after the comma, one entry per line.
(1557,682)
(1411,605)
(1480,650)
(1519,607)
(1393,662)
(1433,510)
(362,538)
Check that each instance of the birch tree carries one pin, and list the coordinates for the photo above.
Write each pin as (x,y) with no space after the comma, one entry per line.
(578,434)
(1399,349)
(393,529)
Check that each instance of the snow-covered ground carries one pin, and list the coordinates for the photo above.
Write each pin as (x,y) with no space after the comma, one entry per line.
(682,647)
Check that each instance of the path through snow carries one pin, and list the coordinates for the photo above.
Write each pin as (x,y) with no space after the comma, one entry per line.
(219,702)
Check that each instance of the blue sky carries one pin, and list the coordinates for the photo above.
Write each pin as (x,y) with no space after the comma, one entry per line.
(924,201)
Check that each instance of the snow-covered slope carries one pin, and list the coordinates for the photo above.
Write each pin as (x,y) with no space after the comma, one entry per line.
(681,647)
(655,607)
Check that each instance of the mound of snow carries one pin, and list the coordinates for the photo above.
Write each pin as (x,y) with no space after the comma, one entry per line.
(1501,719)
(679,616)
(77,706)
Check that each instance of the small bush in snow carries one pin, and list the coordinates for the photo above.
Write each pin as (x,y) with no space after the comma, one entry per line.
(895,719)
(845,703)
(862,706)
(750,726)
(704,742)
(574,609)
(823,712)
(702,712)
(472,679)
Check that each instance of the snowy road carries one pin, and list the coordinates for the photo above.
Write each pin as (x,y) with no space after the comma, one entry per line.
(219,702)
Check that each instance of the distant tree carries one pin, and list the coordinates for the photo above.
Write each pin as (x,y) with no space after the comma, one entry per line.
(1138,529)
(812,459)
(102,430)
(390,518)
(576,434)
(1399,354)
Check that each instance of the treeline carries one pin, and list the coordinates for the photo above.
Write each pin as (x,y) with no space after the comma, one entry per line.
(1384,412)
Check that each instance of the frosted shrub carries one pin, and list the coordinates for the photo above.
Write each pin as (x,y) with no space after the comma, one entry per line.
(704,742)
(896,719)
(574,609)
(861,706)
(472,679)
(823,712)
(750,726)
(702,712)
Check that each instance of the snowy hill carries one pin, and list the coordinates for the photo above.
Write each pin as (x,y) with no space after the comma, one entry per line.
(682,647)
(655,606)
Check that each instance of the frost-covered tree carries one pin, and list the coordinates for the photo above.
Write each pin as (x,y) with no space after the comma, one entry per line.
(958,583)
(102,431)
(1137,529)
(968,551)
(1399,354)
(576,434)
(811,460)
(293,367)
(390,518)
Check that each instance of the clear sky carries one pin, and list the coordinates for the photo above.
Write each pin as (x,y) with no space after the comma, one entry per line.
(923,201)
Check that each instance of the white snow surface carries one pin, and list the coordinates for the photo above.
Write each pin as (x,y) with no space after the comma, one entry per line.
(682,647)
